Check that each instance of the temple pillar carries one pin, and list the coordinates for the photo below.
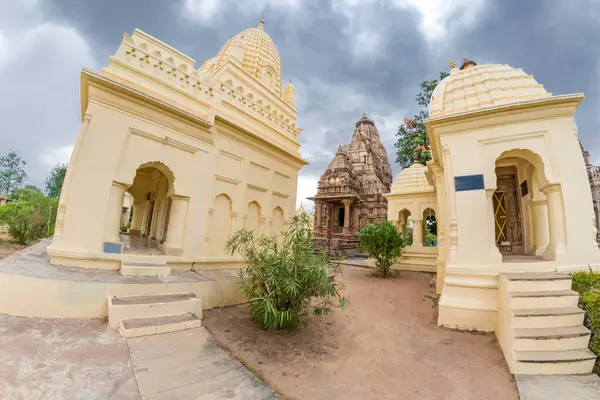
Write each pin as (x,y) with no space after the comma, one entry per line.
(112,242)
(557,244)
(417,240)
(318,207)
(136,219)
(346,230)
(539,213)
(176,226)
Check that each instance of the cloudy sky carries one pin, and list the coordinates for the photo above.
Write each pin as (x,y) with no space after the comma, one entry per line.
(345,57)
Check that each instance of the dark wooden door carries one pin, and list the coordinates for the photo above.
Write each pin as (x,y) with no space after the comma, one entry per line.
(507,212)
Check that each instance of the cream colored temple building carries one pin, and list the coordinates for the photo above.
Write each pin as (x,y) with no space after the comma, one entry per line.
(202,152)
(509,188)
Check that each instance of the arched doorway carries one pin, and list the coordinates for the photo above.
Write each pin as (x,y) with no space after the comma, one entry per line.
(430,227)
(404,226)
(151,190)
(519,204)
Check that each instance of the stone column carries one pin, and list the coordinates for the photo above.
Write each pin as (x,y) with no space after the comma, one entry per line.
(556,223)
(176,228)
(317,226)
(494,251)
(346,230)
(417,233)
(136,219)
(539,212)
(112,242)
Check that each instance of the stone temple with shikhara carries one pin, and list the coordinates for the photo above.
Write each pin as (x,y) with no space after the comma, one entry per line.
(350,192)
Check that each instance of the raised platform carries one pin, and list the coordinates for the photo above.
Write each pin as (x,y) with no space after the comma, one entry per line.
(31,287)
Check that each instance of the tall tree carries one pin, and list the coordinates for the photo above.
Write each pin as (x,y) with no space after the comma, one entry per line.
(55,180)
(12,173)
(412,143)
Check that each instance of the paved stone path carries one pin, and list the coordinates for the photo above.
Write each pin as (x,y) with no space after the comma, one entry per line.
(63,359)
(190,364)
(550,387)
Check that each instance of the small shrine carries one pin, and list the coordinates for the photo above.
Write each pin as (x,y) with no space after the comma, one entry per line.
(350,192)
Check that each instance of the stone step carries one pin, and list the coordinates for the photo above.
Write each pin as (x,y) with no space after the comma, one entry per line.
(543,299)
(547,317)
(145,269)
(537,281)
(551,339)
(567,362)
(129,307)
(152,326)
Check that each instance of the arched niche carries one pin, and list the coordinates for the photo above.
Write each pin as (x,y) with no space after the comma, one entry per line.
(253,216)
(278,221)
(220,224)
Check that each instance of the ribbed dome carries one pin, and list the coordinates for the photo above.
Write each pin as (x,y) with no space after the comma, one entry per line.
(260,58)
(412,180)
(483,86)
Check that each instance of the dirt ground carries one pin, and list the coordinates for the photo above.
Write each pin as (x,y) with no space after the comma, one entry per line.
(386,345)
(7,247)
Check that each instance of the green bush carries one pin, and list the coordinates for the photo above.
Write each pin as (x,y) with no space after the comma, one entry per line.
(382,242)
(587,284)
(284,279)
(30,217)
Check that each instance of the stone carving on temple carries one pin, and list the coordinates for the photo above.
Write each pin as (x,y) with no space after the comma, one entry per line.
(350,192)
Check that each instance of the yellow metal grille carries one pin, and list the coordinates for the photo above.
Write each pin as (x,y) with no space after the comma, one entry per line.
(500,217)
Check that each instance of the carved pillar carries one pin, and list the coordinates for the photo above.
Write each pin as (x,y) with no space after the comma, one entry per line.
(112,243)
(176,228)
(539,212)
(136,219)
(318,207)
(346,230)
(557,241)
(417,240)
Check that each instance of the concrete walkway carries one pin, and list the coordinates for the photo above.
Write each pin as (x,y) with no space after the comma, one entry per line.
(550,387)
(190,364)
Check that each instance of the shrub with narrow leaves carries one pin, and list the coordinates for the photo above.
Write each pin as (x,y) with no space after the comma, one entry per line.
(382,242)
(284,279)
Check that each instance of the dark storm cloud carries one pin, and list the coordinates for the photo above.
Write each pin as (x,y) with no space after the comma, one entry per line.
(345,58)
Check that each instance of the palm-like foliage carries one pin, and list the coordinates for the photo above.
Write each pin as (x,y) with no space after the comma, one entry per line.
(284,279)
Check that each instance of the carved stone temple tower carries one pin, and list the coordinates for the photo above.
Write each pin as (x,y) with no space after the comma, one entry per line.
(350,192)
(594,178)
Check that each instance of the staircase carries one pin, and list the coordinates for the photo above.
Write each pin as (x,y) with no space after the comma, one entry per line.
(145,268)
(540,327)
(149,315)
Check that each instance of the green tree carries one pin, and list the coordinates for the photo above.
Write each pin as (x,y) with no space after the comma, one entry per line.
(12,174)
(382,242)
(30,216)
(55,180)
(284,279)
(412,144)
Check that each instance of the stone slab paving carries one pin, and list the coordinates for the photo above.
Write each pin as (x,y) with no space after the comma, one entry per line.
(190,364)
(63,359)
(563,387)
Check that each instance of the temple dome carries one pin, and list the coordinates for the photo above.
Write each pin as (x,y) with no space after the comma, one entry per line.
(412,180)
(257,53)
(483,86)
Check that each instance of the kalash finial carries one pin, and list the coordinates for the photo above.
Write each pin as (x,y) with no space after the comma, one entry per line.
(452,65)
(261,24)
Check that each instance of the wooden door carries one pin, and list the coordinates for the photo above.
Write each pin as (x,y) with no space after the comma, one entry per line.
(507,212)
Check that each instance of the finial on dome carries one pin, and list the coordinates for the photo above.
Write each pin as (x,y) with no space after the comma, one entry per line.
(451,63)
(261,24)
(466,63)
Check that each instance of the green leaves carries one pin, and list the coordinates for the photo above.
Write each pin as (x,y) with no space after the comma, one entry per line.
(382,242)
(412,143)
(284,279)
(587,284)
